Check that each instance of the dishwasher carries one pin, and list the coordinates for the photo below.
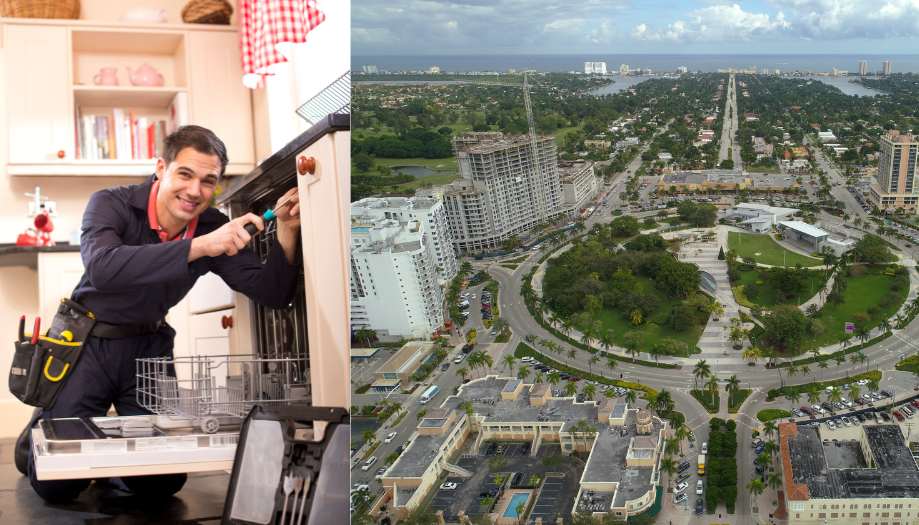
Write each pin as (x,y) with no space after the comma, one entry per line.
(295,371)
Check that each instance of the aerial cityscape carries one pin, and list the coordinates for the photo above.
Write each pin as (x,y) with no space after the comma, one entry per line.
(607,292)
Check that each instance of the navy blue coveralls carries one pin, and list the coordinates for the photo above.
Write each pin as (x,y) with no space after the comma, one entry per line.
(132,277)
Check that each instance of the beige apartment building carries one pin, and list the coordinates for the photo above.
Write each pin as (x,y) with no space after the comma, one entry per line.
(897,185)
(861,475)
(624,445)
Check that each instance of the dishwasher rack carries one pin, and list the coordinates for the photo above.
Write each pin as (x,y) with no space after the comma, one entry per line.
(210,391)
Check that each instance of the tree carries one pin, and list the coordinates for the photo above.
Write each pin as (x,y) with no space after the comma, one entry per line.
(712,387)
(663,403)
(871,249)
(594,359)
(755,487)
(590,391)
(630,397)
(571,389)
(554,378)
(624,226)
(785,329)
(369,436)
(367,335)
(701,371)
(752,354)
(462,372)
(509,362)
(632,342)
(774,480)
(611,363)
(523,373)
(732,387)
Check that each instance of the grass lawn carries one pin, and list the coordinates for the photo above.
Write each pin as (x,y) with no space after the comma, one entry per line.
(752,288)
(433,180)
(446,164)
(862,293)
(873,375)
(769,414)
(910,364)
(765,250)
(706,400)
(737,399)
(652,329)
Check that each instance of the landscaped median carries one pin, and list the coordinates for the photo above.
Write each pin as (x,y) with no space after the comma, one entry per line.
(910,364)
(524,350)
(737,399)
(771,414)
(707,400)
(873,375)
(834,355)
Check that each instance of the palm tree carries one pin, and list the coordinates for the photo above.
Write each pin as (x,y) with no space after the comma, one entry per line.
(509,361)
(794,396)
(855,391)
(554,378)
(538,377)
(668,465)
(681,433)
(572,353)
(590,391)
(462,372)
(769,428)
(756,487)
(823,364)
(611,363)
(835,394)
(752,354)
(792,370)
(571,389)
(663,403)
(523,373)
(594,359)
(805,370)
(701,371)
(774,480)
(813,396)
(630,397)
(606,340)
(712,387)
(366,335)
(732,387)
(369,436)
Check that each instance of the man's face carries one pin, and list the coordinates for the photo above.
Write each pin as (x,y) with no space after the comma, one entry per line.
(187,184)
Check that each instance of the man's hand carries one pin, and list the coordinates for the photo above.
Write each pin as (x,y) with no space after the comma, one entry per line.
(229,239)
(288,219)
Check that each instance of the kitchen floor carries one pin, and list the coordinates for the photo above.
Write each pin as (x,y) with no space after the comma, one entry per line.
(199,502)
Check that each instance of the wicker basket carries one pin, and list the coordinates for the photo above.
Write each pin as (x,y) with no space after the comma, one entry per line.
(207,12)
(40,8)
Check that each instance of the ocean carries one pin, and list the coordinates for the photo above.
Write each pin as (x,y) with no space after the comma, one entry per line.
(657,63)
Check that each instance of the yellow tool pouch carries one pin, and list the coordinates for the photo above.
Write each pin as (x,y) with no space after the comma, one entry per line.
(40,369)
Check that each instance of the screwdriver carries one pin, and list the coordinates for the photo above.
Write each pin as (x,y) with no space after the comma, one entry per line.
(269,214)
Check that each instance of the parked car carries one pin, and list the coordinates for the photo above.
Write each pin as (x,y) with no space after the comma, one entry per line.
(699,507)
(680,487)
(389,437)
(369,463)
(898,416)
(699,487)
(705,447)
(448,486)
(679,498)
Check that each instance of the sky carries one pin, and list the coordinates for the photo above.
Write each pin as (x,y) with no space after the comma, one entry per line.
(437,27)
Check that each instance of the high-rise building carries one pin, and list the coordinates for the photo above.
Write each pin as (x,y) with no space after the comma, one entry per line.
(594,68)
(897,185)
(682,69)
(394,288)
(503,190)
(370,69)
(886,67)
(427,210)
(434,70)
(862,67)
(623,69)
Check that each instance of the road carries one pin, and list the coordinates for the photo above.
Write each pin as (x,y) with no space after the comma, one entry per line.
(728,148)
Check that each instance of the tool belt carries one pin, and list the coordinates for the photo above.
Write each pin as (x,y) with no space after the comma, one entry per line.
(42,364)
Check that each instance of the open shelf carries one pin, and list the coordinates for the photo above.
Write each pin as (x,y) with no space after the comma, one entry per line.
(125,96)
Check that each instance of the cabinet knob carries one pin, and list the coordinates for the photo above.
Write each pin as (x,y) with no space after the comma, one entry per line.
(226,321)
(306,165)
(61,154)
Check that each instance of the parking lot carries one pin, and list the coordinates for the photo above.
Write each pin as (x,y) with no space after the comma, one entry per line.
(512,462)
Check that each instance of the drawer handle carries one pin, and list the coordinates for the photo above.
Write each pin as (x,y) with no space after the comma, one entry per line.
(226,321)
(306,165)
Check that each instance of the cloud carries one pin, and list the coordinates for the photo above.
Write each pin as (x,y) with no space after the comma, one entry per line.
(486,26)
(716,23)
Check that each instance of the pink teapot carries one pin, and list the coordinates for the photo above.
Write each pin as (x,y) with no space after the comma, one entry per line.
(146,75)
(107,76)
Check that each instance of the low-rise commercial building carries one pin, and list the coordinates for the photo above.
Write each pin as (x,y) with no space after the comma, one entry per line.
(397,370)
(864,475)
(579,184)
(624,445)
(724,180)
(806,234)
(757,217)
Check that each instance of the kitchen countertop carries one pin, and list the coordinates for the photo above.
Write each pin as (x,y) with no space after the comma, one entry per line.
(12,255)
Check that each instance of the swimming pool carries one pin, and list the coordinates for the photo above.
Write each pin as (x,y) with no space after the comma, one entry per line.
(516,500)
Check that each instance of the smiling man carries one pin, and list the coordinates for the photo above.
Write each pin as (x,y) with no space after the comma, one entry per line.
(143,248)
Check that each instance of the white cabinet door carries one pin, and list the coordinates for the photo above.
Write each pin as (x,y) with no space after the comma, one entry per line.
(219,101)
(58,275)
(324,203)
(210,294)
(38,97)
(208,336)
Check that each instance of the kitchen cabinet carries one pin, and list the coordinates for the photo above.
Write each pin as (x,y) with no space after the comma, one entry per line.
(219,100)
(58,275)
(50,86)
(39,102)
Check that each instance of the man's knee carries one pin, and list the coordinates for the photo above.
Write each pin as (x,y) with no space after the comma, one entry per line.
(160,486)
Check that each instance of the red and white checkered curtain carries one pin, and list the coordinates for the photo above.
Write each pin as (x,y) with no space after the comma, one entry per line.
(267,23)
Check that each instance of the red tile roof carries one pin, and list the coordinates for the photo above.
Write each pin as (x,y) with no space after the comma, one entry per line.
(794,491)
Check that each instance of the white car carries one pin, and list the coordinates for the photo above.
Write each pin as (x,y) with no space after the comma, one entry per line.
(705,447)
(369,463)
(699,486)
(459,359)
(448,485)
(389,437)
(680,487)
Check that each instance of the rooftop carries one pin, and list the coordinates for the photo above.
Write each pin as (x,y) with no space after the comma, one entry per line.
(805,228)
(416,459)
(836,470)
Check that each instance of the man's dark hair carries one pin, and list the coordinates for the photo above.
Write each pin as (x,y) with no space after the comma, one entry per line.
(198,138)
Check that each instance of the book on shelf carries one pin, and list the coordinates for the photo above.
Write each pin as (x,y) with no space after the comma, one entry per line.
(122,134)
